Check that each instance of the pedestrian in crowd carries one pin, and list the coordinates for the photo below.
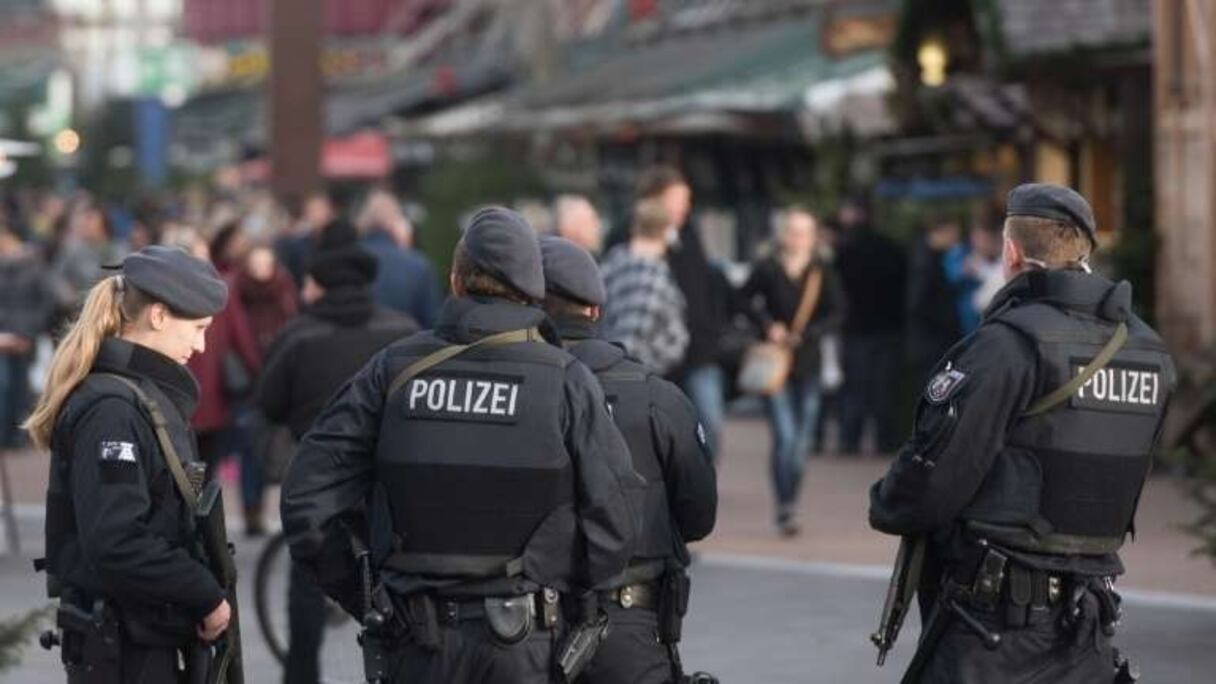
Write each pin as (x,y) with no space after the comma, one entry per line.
(26,305)
(405,278)
(88,244)
(872,272)
(794,278)
(958,262)
(504,482)
(668,448)
(706,294)
(120,547)
(308,219)
(1021,480)
(644,309)
(339,329)
(577,221)
(932,306)
(984,265)
(225,369)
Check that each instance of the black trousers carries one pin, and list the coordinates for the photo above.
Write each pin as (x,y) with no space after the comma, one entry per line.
(137,666)
(1043,653)
(632,653)
(871,390)
(470,654)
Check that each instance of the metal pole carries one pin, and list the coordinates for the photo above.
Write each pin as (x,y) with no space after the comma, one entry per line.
(295,97)
(12,545)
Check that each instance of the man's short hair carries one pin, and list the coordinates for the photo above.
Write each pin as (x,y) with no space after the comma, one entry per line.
(558,305)
(477,281)
(1054,242)
(655,180)
(650,219)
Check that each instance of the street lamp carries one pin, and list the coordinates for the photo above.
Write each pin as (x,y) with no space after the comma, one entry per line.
(66,142)
(933,58)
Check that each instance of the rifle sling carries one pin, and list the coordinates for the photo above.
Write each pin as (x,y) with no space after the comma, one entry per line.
(160,426)
(1062,393)
(434,359)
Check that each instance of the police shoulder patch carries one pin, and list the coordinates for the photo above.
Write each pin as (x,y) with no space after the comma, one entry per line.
(118,452)
(944,385)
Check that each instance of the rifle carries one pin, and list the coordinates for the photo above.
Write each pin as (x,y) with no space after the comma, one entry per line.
(904,580)
(225,664)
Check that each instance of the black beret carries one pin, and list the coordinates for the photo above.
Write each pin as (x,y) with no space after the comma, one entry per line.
(190,287)
(343,266)
(1049,201)
(570,271)
(501,242)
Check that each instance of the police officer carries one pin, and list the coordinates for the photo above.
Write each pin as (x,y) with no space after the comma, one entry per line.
(1031,445)
(667,443)
(491,474)
(121,552)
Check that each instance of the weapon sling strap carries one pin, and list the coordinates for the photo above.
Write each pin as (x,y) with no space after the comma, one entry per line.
(161,427)
(1062,393)
(431,360)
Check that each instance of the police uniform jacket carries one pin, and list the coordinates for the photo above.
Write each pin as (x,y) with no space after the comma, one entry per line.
(1057,490)
(117,528)
(680,500)
(500,470)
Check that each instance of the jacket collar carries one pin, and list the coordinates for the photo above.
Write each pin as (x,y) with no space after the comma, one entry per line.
(581,337)
(467,319)
(1072,290)
(138,362)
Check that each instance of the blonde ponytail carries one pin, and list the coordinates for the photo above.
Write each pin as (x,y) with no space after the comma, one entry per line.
(101,317)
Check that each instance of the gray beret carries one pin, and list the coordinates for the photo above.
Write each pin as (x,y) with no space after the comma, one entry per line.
(1045,200)
(501,242)
(190,287)
(570,271)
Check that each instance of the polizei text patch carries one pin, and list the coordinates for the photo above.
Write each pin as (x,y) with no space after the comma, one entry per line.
(470,397)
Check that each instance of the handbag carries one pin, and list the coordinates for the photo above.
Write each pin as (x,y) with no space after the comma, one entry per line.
(766,365)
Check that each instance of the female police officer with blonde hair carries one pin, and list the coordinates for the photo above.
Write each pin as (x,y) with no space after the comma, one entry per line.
(120,550)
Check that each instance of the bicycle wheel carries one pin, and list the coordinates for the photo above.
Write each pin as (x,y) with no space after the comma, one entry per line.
(340,659)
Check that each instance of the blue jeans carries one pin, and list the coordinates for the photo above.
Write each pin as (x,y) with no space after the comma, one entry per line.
(704,386)
(792,414)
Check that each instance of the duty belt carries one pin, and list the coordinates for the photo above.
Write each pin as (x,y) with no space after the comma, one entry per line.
(541,606)
(644,596)
(1024,595)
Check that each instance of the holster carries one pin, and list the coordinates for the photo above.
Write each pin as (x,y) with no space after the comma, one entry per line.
(583,640)
(91,641)
(422,621)
(674,590)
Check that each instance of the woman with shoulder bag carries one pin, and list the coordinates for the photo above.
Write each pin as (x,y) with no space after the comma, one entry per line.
(117,542)
(795,298)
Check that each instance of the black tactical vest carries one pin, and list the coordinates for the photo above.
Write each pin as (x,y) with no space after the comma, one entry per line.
(1068,480)
(471,454)
(626,387)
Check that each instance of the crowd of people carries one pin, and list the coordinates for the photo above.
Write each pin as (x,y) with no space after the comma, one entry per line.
(877,305)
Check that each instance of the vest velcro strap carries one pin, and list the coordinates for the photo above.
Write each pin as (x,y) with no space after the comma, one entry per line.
(1062,393)
(455,565)
(1023,539)
(167,450)
(435,358)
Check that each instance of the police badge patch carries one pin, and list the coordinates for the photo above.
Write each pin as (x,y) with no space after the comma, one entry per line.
(118,452)
(944,385)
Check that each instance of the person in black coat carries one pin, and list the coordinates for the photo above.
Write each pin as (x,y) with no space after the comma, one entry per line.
(772,295)
(316,352)
(872,268)
(120,541)
(933,323)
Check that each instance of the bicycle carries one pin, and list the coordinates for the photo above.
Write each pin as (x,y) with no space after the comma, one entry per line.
(340,659)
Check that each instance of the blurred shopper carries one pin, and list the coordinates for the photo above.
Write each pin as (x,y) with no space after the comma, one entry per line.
(706,294)
(577,221)
(645,309)
(308,219)
(776,288)
(933,323)
(337,331)
(872,272)
(87,245)
(985,265)
(225,370)
(405,279)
